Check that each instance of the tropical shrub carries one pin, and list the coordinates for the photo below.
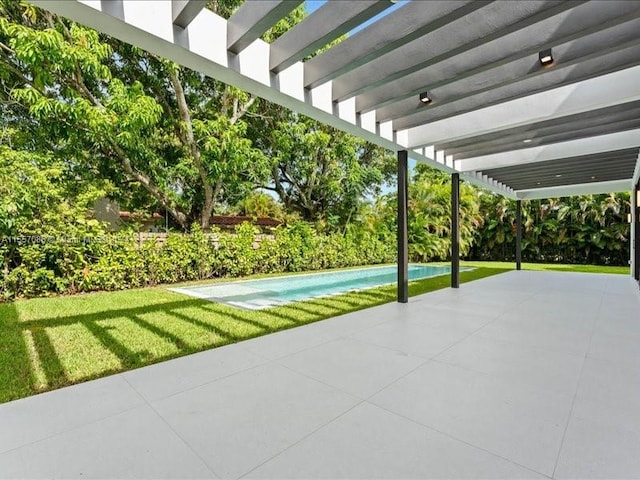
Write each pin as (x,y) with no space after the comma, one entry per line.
(586,229)
(429,216)
(117,261)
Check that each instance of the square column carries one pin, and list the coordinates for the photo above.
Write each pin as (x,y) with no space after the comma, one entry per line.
(455,230)
(635,232)
(518,234)
(403,235)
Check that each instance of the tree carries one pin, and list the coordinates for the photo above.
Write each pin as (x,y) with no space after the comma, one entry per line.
(322,173)
(579,229)
(38,195)
(45,231)
(259,204)
(127,115)
(429,215)
(170,138)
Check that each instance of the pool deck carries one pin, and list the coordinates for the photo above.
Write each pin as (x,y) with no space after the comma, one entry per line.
(520,375)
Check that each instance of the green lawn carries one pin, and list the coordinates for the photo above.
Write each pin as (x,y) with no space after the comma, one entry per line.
(552,267)
(47,343)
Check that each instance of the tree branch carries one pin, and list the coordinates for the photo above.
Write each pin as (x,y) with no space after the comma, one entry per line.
(188,138)
(237,115)
(148,184)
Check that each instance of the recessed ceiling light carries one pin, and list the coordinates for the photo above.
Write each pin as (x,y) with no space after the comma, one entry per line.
(537,183)
(528,140)
(558,175)
(425,98)
(546,58)
(593,178)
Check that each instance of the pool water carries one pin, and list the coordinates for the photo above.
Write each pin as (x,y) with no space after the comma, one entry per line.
(270,292)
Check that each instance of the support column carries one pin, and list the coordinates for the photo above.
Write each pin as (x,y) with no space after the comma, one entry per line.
(455,230)
(518,234)
(403,242)
(635,235)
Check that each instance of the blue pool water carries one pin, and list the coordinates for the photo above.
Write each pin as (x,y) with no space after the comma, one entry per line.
(269,292)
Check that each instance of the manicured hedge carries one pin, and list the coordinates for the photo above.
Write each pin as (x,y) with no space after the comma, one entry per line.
(118,261)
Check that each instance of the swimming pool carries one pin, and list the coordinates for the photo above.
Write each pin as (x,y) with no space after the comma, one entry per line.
(270,292)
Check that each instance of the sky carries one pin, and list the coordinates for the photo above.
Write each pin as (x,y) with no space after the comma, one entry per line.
(313,5)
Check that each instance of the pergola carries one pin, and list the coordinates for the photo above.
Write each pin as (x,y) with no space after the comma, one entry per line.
(530,99)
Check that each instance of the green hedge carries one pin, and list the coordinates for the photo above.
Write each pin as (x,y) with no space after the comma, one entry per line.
(117,261)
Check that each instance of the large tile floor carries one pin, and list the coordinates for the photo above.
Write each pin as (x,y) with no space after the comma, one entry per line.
(521,375)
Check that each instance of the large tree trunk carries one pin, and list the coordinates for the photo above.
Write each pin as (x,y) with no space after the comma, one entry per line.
(186,135)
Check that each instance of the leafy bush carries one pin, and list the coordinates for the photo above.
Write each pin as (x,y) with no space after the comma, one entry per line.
(117,261)
(585,229)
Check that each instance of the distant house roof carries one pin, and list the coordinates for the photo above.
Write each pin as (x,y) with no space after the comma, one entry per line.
(232,220)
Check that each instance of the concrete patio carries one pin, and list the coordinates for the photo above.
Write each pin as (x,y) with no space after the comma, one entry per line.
(521,375)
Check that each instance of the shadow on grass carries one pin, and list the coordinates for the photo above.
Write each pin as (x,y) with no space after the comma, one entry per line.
(378,297)
(308,307)
(16,376)
(228,337)
(230,312)
(48,359)
(111,313)
(174,339)
(127,357)
(18,364)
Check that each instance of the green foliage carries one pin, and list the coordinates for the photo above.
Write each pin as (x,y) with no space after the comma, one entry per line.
(45,236)
(430,215)
(169,138)
(322,173)
(119,261)
(258,204)
(586,229)
(86,116)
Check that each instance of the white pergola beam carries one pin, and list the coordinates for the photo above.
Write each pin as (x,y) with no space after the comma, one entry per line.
(555,151)
(253,18)
(203,46)
(409,23)
(602,35)
(449,41)
(580,189)
(478,181)
(184,11)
